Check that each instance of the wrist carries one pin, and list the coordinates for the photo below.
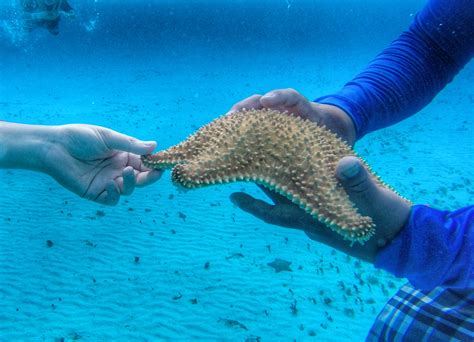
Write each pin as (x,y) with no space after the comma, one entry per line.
(26,146)
(337,120)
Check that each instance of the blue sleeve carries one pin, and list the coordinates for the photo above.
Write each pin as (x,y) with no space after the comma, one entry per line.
(407,75)
(435,248)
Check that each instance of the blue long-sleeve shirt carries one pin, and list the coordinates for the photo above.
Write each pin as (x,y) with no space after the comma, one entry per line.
(435,247)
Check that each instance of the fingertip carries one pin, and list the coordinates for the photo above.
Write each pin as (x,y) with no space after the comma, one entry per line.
(348,168)
(148,177)
(271,99)
(232,197)
(241,199)
(155,175)
(251,205)
(270,94)
(235,198)
(128,181)
(355,178)
(150,146)
(122,142)
(127,171)
(112,195)
(143,147)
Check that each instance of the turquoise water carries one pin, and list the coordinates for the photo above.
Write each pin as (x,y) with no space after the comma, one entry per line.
(159,70)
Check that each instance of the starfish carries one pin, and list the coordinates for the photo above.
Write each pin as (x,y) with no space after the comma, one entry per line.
(280,265)
(287,154)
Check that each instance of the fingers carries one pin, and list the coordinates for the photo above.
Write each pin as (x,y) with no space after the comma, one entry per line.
(143,175)
(121,142)
(251,102)
(132,178)
(128,181)
(281,98)
(256,207)
(289,100)
(110,196)
(277,99)
(274,196)
(285,215)
(125,185)
(146,178)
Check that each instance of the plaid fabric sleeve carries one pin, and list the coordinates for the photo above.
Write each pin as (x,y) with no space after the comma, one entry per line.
(440,315)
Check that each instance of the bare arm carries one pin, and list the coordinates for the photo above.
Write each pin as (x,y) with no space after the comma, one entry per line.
(94,162)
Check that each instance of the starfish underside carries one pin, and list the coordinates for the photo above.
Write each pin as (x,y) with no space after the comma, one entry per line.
(292,156)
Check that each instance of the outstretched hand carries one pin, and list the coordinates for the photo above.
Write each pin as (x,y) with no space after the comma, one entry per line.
(388,210)
(98,163)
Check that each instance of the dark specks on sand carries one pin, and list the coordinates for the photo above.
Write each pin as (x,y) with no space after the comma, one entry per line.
(234,255)
(232,323)
(89,243)
(294,308)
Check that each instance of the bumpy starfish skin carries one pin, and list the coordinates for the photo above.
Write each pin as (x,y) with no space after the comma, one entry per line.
(294,157)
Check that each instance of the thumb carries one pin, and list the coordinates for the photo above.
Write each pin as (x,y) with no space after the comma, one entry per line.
(358,183)
(388,210)
(118,141)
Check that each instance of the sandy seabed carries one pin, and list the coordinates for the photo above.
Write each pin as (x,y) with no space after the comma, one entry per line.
(168,265)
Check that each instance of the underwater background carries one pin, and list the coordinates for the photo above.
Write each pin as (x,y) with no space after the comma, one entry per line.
(168,265)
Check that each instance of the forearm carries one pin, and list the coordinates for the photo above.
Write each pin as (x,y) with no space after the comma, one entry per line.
(407,75)
(25,146)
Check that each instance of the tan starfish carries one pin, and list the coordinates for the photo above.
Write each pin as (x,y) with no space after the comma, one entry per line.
(292,156)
